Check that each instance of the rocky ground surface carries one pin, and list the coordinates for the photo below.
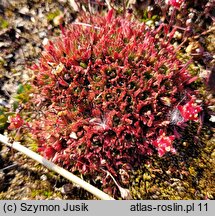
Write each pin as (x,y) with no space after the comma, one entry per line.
(25,26)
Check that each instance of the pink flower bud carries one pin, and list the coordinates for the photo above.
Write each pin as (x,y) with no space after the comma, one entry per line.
(164,143)
(190,110)
(175,3)
(15,122)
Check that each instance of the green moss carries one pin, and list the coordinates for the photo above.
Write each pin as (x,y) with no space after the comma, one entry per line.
(30,142)
(50,16)
(3,23)
(4,114)
(41,192)
(22,94)
(187,175)
(3,118)
(83,65)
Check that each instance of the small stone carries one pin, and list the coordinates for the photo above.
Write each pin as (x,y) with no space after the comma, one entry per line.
(168,172)
(66,189)
(45,41)
(73,135)
(212,118)
(4,44)
(3,102)
(42,34)
(43,177)
(57,20)
(24,10)
(184,144)
(9,56)
(33,20)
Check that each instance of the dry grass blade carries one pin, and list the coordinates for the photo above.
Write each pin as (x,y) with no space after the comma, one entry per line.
(95,191)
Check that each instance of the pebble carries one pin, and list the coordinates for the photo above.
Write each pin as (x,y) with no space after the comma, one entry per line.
(67,188)
(212,118)
(33,20)
(57,20)
(43,177)
(45,41)
(4,44)
(3,102)
(24,10)
(42,34)
(9,56)
(73,135)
